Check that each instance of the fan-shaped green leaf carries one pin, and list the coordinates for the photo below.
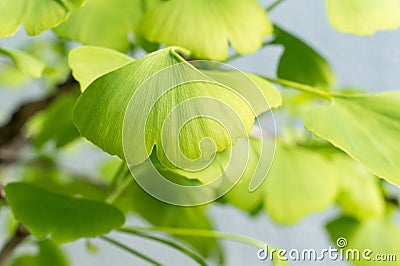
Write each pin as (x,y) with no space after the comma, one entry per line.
(380,236)
(301,63)
(37,16)
(360,195)
(25,62)
(180,22)
(64,218)
(105,22)
(90,62)
(99,113)
(297,178)
(363,17)
(365,127)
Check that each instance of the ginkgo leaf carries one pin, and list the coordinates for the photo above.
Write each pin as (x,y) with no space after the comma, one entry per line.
(64,218)
(91,62)
(179,22)
(379,236)
(365,127)
(297,178)
(105,22)
(363,17)
(25,62)
(360,195)
(37,16)
(181,113)
(301,63)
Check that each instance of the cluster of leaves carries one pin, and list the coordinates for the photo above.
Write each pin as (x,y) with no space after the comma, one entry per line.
(347,156)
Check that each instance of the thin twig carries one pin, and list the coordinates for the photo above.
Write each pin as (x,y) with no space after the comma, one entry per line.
(19,236)
(11,133)
(131,250)
(274,5)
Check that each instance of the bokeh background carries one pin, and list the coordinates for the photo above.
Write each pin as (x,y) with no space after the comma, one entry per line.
(369,63)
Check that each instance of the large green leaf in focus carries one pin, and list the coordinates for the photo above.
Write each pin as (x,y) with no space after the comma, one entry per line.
(380,235)
(27,63)
(301,63)
(365,127)
(64,218)
(99,113)
(360,195)
(37,16)
(105,22)
(204,27)
(299,183)
(90,62)
(49,255)
(363,17)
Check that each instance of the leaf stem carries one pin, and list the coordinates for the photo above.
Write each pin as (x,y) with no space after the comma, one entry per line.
(131,250)
(301,87)
(196,232)
(121,189)
(174,245)
(115,179)
(274,5)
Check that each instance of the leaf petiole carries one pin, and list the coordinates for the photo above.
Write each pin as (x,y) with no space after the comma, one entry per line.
(196,232)
(131,250)
(301,87)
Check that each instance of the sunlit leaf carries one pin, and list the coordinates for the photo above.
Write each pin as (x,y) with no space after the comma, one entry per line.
(37,16)
(64,218)
(363,17)
(204,27)
(380,236)
(301,63)
(26,63)
(365,127)
(100,110)
(90,62)
(300,182)
(105,22)
(359,195)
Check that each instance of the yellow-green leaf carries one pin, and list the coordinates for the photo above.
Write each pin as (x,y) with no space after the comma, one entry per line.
(27,63)
(363,17)
(91,62)
(37,16)
(204,27)
(365,127)
(105,23)
(359,195)
(299,183)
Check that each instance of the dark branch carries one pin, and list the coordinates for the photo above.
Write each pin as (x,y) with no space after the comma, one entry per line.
(19,236)
(11,138)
